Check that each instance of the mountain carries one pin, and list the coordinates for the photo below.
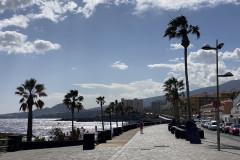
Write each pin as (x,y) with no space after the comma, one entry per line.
(57,111)
(61,111)
(211,90)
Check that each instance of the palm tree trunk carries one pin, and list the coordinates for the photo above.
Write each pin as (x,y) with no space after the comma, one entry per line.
(116,119)
(102,118)
(122,120)
(29,129)
(111,123)
(187,85)
(72,121)
(128,118)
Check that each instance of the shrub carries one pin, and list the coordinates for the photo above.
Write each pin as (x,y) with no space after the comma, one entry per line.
(3,143)
(39,139)
(57,133)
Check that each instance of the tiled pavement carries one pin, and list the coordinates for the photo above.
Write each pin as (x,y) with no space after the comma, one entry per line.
(155,143)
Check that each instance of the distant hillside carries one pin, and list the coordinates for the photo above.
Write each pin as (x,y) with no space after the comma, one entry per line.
(57,111)
(211,90)
(61,111)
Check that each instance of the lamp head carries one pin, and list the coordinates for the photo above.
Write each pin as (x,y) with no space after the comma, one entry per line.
(207,47)
(228,74)
(220,45)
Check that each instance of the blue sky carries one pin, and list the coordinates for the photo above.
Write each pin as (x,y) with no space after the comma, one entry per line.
(111,48)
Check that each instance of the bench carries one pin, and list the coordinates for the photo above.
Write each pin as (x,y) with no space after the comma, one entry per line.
(179,132)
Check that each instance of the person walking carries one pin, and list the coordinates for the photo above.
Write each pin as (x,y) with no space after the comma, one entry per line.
(141,127)
(82,130)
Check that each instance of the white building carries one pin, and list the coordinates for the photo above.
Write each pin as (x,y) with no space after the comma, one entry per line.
(137,104)
(235,112)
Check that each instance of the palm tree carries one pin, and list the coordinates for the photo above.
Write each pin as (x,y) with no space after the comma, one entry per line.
(171,87)
(129,110)
(73,101)
(30,91)
(116,109)
(122,110)
(179,28)
(100,100)
(109,111)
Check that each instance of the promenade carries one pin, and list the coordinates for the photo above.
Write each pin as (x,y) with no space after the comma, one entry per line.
(154,144)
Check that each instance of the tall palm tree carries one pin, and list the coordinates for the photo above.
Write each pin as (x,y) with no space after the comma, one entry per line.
(116,109)
(73,101)
(129,110)
(100,100)
(109,111)
(179,28)
(30,91)
(122,110)
(172,86)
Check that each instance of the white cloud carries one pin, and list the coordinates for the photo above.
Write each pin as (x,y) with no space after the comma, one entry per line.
(146,5)
(54,10)
(235,55)
(41,46)
(14,42)
(16,20)
(174,60)
(202,68)
(119,65)
(203,56)
(14,4)
(137,89)
(90,6)
(177,46)
(209,57)
(118,2)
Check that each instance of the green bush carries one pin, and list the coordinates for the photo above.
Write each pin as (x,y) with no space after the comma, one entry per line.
(3,143)
(57,133)
(39,139)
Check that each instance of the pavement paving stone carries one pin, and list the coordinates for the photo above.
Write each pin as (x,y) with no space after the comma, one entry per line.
(155,143)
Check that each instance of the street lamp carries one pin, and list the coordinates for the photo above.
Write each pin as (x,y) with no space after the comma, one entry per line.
(228,74)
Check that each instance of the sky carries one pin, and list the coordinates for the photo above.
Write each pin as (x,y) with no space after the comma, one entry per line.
(111,48)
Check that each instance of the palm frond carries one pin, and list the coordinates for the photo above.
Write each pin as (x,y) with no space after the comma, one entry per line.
(19,93)
(20,89)
(23,107)
(39,88)
(40,104)
(36,104)
(42,94)
(22,100)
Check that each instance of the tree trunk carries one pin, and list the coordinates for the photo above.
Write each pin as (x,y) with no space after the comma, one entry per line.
(29,127)
(116,119)
(102,117)
(122,120)
(187,85)
(72,120)
(128,118)
(176,103)
(111,123)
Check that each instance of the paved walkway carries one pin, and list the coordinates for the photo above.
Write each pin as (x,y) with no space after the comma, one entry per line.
(156,143)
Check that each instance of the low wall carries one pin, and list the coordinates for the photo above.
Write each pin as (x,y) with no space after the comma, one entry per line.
(49,144)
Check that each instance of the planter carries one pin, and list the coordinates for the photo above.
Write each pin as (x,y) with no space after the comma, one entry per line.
(89,142)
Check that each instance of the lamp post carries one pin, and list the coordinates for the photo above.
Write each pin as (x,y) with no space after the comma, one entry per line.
(228,74)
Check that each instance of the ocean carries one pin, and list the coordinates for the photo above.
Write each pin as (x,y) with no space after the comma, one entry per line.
(41,127)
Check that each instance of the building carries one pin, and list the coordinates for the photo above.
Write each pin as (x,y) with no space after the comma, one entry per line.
(137,104)
(235,112)
(208,111)
(157,106)
(200,100)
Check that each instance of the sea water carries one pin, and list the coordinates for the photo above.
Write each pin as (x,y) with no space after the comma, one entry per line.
(42,127)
